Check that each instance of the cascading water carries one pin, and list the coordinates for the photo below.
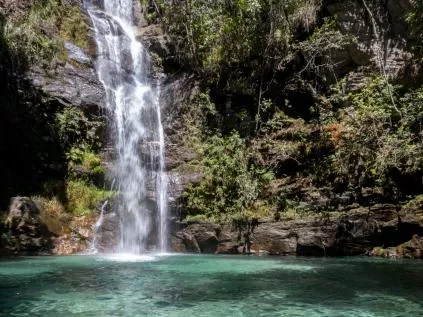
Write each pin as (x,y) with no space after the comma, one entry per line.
(132,99)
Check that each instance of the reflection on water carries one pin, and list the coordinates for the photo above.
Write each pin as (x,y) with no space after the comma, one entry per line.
(200,285)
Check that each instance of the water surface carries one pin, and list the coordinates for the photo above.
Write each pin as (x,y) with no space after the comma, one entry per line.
(201,285)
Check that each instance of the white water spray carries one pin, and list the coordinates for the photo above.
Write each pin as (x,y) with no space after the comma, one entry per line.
(132,100)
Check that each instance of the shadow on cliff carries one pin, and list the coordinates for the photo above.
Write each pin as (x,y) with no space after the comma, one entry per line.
(30,151)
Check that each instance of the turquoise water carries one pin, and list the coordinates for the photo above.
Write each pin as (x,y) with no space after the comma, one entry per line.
(201,285)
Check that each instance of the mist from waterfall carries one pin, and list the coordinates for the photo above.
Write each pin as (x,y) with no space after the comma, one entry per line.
(132,100)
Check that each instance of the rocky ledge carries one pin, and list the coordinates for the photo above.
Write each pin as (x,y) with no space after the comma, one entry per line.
(358,231)
(27,230)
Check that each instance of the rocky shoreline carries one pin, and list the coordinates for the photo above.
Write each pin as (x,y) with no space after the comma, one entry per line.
(381,230)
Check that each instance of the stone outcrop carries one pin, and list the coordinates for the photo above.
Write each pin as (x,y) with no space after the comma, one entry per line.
(30,230)
(380,38)
(72,81)
(412,249)
(24,230)
(69,84)
(351,233)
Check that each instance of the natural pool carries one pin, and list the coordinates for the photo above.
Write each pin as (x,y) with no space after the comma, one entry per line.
(202,285)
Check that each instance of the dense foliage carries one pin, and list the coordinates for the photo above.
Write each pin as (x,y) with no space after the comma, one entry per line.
(276,125)
(378,140)
(236,36)
(276,75)
(230,184)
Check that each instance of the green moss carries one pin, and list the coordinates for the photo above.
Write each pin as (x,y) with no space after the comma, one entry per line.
(378,251)
(201,218)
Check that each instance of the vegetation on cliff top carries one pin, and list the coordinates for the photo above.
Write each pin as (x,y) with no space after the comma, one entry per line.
(35,33)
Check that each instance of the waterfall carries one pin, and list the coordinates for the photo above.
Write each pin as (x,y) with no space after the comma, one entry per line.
(132,99)
(93,247)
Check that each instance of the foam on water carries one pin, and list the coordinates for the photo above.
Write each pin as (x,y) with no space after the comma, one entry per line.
(127,257)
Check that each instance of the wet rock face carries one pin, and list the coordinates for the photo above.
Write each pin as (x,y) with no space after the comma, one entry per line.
(69,84)
(176,91)
(24,230)
(107,234)
(353,233)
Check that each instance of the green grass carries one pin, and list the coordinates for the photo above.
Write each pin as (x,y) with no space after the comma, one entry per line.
(53,214)
(84,198)
(39,34)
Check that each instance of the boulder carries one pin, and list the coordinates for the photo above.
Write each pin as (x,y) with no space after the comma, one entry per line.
(24,230)
(413,248)
(206,236)
(191,244)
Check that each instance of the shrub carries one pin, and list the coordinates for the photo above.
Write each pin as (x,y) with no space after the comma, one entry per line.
(380,133)
(26,35)
(75,128)
(230,185)
(86,160)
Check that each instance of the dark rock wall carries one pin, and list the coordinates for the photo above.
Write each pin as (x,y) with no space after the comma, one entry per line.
(353,233)
(381,38)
